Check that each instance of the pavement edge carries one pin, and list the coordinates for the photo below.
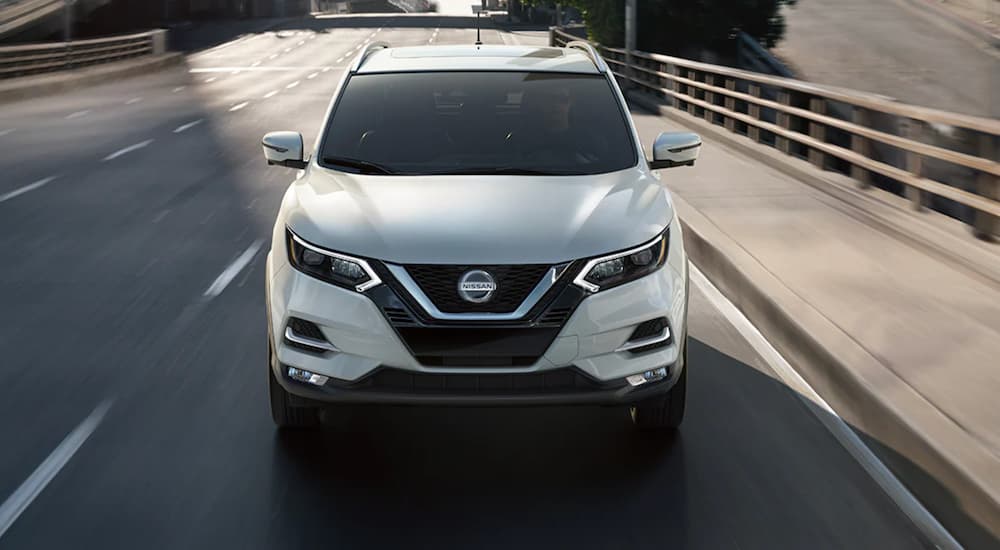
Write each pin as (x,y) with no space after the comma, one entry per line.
(943,465)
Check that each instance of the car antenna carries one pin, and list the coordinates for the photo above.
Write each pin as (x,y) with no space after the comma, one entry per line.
(479,41)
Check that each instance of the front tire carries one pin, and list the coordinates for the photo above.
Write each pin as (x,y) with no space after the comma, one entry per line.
(666,413)
(285,415)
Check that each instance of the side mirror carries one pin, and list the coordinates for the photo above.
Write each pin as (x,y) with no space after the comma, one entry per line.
(675,149)
(284,149)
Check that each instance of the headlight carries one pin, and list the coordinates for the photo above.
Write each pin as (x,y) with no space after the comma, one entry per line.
(623,267)
(332,267)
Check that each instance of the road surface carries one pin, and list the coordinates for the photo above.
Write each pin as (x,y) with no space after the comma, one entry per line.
(133,411)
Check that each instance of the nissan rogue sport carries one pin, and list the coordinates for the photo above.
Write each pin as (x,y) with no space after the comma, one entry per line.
(478,225)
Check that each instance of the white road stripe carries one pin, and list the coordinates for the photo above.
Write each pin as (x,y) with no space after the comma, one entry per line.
(237,71)
(255,63)
(273,56)
(19,501)
(340,59)
(159,217)
(187,126)
(292,85)
(325,69)
(878,471)
(78,114)
(238,106)
(301,42)
(128,149)
(178,89)
(270,94)
(228,274)
(133,101)
(7,131)
(25,189)
(249,68)
(312,76)
(210,80)
(287,50)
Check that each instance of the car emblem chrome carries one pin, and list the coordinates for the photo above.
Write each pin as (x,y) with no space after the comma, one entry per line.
(476,286)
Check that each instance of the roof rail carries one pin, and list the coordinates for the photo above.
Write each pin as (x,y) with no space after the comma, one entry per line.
(591,52)
(364,54)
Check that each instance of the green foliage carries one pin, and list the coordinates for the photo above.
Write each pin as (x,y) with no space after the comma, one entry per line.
(672,26)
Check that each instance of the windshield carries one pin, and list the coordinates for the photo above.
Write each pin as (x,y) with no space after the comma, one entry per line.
(478,123)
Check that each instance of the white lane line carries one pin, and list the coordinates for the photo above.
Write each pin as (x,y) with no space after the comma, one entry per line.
(238,106)
(270,94)
(255,63)
(237,71)
(822,410)
(210,80)
(325,69)
(340,59)
(312,76)
(292,85)
(25,189)
(159,217)
(7,131)
(178,89)
(128,149)
(273,56)
(187,126)
(287,50)
(78,114)
(19,501)
(301,42)
(222,281)
(133,101)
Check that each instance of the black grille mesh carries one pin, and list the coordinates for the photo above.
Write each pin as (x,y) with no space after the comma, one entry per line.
(440,284)
(554,381)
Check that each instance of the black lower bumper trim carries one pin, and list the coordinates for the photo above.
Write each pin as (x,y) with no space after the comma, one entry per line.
(529,395)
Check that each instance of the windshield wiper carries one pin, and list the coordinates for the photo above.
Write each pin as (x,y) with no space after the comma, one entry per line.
(499,170)
(362,166)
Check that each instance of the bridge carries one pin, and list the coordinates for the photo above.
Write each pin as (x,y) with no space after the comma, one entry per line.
(843,361)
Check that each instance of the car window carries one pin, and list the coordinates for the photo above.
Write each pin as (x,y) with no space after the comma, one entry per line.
(479,123)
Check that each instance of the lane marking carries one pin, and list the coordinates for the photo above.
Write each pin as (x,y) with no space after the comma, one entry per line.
(878,471)
(187,126)
(238,106)
(7,131)
(292,85)
(270,94)
(210,80)
(325,69)
(237,71)
(133,101)
(249,68)
(19,501)
(159,217)
(78,114)
(178,89)
(255,63)
(222,281)
(25,189)
(340,59)
(274,56)
(312,76)
(301,42)
(287,50)
(126,150)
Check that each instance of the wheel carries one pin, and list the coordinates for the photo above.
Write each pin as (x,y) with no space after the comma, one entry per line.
(284,414)
(665,413)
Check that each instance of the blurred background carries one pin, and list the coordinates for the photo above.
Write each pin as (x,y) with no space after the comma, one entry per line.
(842,223)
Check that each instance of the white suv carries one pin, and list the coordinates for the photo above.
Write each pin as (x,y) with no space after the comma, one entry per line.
(479,226)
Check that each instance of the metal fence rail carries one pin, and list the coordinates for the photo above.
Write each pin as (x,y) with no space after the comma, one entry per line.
(32,59)
(799,122)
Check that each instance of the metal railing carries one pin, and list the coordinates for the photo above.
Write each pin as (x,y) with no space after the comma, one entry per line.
(33,59)
(883,138)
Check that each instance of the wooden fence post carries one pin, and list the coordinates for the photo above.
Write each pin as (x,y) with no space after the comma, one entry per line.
(817,131)
(862,146)
(915,166)
(986,226)
(753,131)
(730,105)
(784,121)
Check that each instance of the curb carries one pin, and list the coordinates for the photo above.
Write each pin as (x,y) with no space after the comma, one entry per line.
(941,464)
(48,84)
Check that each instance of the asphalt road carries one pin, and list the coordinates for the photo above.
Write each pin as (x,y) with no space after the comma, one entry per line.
(157,185)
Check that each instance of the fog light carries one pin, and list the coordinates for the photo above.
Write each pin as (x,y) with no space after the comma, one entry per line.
(307,377)
(648,376)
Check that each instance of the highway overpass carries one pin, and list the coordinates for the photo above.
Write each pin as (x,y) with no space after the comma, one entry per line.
(133,404)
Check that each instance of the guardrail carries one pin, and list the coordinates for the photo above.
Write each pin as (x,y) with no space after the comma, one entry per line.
(32,59)
(800,123)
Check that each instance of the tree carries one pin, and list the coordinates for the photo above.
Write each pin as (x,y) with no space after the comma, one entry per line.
(676,26)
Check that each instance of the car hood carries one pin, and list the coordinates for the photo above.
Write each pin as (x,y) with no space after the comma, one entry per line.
(477,219)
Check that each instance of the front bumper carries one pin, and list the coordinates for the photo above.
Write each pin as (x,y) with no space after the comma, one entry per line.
(586,344)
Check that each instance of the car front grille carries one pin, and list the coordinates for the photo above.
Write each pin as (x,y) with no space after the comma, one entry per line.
(440,284)
(562,380)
